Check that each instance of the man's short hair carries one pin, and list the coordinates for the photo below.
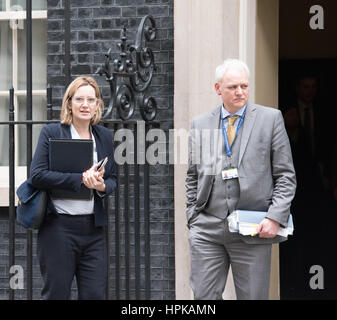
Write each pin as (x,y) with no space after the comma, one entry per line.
(230,63)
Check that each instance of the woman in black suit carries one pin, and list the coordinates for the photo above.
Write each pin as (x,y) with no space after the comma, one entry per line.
(71,240)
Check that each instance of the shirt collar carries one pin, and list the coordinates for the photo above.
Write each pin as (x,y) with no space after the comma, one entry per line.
(74,133)
(225,113)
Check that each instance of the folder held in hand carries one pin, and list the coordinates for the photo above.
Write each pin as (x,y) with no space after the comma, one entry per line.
(71,156)
(246,222)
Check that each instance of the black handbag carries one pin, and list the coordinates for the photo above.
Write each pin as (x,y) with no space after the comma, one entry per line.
(32,205)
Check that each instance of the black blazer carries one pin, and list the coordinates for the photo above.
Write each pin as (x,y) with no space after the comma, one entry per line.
(44,179)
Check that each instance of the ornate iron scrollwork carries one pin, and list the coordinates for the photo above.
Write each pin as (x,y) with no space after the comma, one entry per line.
(132,74)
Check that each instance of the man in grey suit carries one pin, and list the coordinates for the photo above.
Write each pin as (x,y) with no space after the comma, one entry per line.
(239,158)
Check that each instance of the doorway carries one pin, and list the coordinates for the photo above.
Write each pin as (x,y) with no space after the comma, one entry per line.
(307,77)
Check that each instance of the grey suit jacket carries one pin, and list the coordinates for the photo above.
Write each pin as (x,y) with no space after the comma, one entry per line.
(266,173)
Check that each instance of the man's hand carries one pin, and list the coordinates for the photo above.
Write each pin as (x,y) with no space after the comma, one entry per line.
(268,228)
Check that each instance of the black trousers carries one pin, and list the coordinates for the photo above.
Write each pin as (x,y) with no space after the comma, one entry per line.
(69,246)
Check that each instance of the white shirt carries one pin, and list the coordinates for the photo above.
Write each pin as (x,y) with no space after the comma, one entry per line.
(225,115)
(76,207)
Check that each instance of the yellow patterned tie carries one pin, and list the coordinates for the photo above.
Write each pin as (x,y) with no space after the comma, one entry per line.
(231,129)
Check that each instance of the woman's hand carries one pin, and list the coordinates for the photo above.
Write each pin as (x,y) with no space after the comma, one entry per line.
(93,179)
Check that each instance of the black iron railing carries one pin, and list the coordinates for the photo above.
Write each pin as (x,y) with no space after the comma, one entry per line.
(130,75)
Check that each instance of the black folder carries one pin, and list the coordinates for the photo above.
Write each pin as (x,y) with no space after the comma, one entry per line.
(71,156)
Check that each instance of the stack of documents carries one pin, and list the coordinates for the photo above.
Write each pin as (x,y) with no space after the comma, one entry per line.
(246,223)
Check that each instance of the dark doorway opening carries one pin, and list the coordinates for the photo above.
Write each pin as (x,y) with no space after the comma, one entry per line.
(307,88)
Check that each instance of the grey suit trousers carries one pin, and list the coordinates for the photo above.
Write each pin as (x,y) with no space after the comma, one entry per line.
(213,249)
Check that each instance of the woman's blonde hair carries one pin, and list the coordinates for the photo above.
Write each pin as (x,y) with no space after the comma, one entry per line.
(66,114)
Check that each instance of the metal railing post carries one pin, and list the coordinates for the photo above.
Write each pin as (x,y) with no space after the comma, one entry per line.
(29,116)
(136,184)
(49,102)
(126,211)
(147,223)
(11,220)
(67,42)
(117,230)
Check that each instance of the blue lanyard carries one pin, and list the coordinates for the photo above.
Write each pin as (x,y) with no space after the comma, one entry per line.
(227,146)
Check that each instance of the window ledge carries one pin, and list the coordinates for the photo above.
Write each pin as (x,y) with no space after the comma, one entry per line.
(21,15)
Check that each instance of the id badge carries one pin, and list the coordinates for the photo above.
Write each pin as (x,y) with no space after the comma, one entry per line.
(229,174)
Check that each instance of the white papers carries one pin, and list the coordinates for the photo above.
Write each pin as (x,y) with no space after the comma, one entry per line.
(246,223)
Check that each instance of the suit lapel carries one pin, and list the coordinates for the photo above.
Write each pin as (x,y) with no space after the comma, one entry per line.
(99,145)
(65,132)
(247,129)
(215,118)
(216,137)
